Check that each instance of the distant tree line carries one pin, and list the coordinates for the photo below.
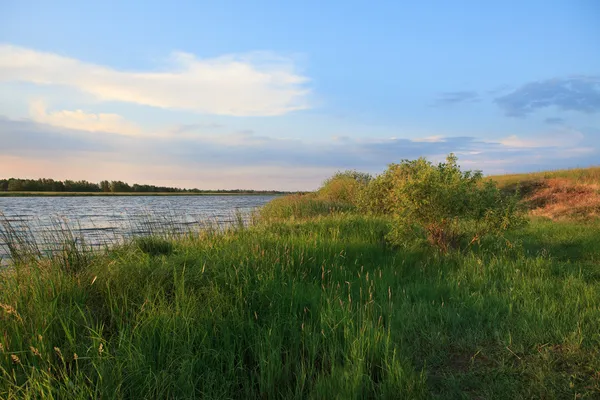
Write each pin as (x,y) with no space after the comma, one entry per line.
(51,185)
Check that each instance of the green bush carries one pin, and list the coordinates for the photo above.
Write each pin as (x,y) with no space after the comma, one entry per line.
(448,207)
(344,187)
(340,193)
(375,198)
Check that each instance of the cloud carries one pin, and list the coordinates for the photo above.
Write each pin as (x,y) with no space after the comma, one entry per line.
(45,141)
(81,120)
(194,127)
(562,138)
(450,98)
(498,90)
(430,139)
(554,121)
(240,148)
(246,159)
(340,138)
(255,84)
(581,94)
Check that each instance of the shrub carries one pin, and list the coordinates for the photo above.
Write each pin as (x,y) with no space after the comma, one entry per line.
(448,207)
(375,198)
(344,187)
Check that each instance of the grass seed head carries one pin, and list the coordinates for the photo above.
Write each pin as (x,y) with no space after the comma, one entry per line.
(10,310)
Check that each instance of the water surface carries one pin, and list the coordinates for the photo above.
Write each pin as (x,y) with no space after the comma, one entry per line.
(103,219)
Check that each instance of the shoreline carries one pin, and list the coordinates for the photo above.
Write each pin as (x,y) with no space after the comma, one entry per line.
(109,194)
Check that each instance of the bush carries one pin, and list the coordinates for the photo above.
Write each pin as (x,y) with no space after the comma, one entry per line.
(448,207)
(344,187)
(375,197)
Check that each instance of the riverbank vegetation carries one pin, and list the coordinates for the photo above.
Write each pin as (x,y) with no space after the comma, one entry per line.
(46,187)
(109,194)
(367,288)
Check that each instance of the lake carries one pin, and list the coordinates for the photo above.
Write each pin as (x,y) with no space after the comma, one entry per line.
(108,219)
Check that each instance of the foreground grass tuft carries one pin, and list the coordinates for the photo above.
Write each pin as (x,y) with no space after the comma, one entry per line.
(154,245)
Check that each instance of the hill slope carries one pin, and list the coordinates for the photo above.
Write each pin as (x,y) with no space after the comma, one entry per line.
(561,194)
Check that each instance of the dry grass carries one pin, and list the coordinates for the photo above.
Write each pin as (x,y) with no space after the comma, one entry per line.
(563,199)
(561,194)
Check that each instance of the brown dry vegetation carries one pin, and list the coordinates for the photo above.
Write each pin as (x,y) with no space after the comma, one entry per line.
(567,194)
(560,198)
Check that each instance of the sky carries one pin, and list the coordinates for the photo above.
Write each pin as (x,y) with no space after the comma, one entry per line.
(281,94)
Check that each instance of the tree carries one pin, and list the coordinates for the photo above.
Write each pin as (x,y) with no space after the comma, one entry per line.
(58,186)
(15,185)
(119,186)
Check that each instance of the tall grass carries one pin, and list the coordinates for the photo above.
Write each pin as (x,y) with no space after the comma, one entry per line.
(60,244)
(308,308)
(302,206)
(38,240)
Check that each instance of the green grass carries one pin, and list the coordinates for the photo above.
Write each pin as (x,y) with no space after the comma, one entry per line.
(301,206)
(313,308)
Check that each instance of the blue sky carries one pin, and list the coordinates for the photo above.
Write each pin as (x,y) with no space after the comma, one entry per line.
(278,95)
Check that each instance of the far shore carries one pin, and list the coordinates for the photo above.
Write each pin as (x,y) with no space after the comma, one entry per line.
(82,194)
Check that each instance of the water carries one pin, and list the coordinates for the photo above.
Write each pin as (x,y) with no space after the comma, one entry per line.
(108,219)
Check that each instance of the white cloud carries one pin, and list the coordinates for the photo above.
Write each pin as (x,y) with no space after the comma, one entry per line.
(566,138)
(515,141)
(430,139)
(81,120)
(244,159)
(253,85)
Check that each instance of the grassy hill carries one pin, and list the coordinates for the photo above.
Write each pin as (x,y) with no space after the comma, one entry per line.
(561,194)
(580,176)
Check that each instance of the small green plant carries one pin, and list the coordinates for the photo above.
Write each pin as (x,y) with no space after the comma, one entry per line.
(447,206)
